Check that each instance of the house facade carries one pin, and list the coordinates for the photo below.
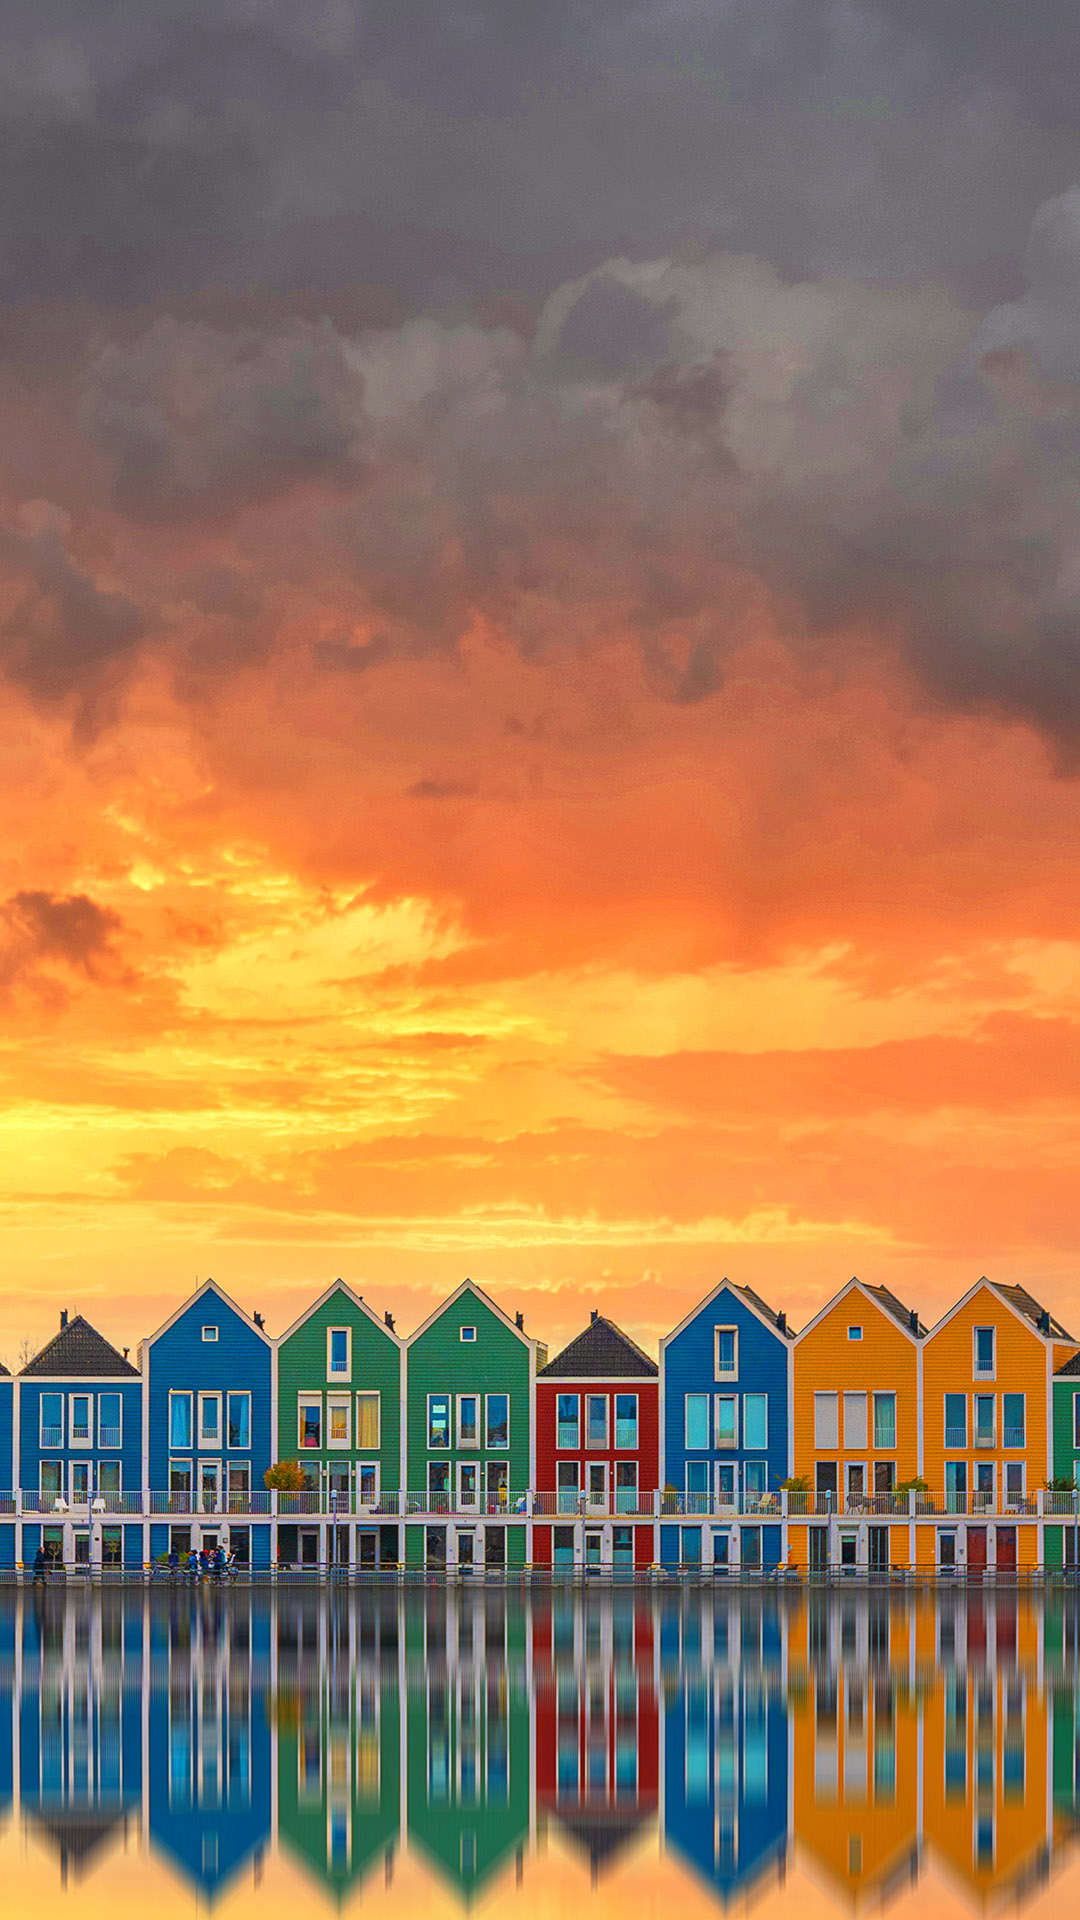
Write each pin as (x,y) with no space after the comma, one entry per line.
(8,1537)
(470,1377)
(339,1418)
(725,1383)
(209,1428)
(597,1453)
(79,1439)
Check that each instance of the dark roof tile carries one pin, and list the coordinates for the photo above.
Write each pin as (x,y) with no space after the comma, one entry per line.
(78,1351)
(1032,1310)
(896,1307)
(602,1352)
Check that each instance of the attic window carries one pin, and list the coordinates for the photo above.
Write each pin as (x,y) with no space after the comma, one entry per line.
(209,1333)
(854,1333)
(468,1333)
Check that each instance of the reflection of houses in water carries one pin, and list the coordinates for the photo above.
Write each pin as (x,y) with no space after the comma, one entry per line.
(208,1746)
(79,1724)
(597,1720)
(468,1711)
(725,1766)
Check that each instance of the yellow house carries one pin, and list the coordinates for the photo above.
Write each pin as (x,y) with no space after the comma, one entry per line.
(855,1752)
(987,1371)
(855,1423)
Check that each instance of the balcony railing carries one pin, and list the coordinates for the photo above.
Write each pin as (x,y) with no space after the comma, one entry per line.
(955,1437)
(1014,1437)
(108,1436)
(52,1436)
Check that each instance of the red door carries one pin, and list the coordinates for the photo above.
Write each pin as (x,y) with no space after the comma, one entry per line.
(1006,1549)
(976,1546)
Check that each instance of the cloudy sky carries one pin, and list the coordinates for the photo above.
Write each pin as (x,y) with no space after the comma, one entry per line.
(539,653)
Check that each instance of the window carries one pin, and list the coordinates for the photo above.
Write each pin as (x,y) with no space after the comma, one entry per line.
(180,1421)
(885,1421)
(468,1334)
(755,1421)
(109,1476)
(568,1420)
(1014,1481)
(239,1419)
(468,1420)
(826,1421)
(52,1419)
(110,1419)
(727,1352)
(984,1350)
(339,1353)
(497,1474)
(438,1422)
(956,1419)
(626,1486)
(79,1419)
(368,1422)
(209,1333)
(338,1407)
(984,1420)
(468,1483)
(854,1420)
(626,1419)
(596,1419)
(497,1413)
(367,1483)
(51,1476)
(180,1477)
(854,1333)
(754,1478)
(209,1419)
(568,1485)
(727,1420)
(238,1478)
(438,1476)
(1012,1419)
(697,1419)
(310,1420)
(697,1477)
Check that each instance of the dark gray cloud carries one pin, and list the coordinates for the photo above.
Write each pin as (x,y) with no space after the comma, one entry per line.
(63,629)
(47,939)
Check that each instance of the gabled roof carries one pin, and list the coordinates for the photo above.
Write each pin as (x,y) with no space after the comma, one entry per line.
(219,1293)
(776,1322)
(470,1286)
(355,1299)
(1071,1366)
(1020,1302)
(602,1352)
(79,1352)
(879,1297)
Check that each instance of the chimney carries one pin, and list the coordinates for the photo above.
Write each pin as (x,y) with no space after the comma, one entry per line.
(63,1318)
(389,1318)
(127,1350)
(781,1322)
(258,1319)
(594,1317)
(913,1319)
(519,1322)
(1044,1320)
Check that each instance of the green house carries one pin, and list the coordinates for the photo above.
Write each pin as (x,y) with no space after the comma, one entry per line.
(1061,1539)
(339,1777)
(470,1394)
(339,1417)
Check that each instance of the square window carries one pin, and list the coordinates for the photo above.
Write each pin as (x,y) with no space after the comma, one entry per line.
(209,1333)
(727,1352)
(854,1333)
(468,1334)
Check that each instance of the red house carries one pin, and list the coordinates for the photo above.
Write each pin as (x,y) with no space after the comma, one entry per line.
(597,1453)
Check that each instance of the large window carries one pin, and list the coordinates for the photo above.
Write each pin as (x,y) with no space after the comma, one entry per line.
(697,1419)
(239,1419)
(885,1421)
(727,1420)
(468,1420)
(985,1424)
(367,1483)
(626,1480)
(956,1419)
(180,1421)
(568,1420)
(81,1420)
(497,1416)
(984,1350)
(109,1476)
(1013,1420)
(854,1420)
(52,1476)
(209,1419)
(338,1408)
(756,1421)
(310,1419)
(626,1423)
(110,1419)
(727,1353)
(826,1423)
(596,1416)
(438,1422)
(368,1422)
(52,1419)
(338,1353)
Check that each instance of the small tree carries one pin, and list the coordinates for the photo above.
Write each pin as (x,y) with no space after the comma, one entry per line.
(796,1483)
(915,1485)
(286,1476)
(1061,1483)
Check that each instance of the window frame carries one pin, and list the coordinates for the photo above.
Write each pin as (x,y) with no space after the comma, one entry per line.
(86,1437)
(176,1395)
(726,1373)
(589,1445)
(468,1336)
(465,1445)
(755,1446)
(367,1393)
(210,1334)
(854,1332)
(336,1401)
(51,1446)
(207,1395)
(1006,1443)
(722,1445)
(490,1445)
(857,1442)
(626,1446)
(306,1400)
(574,1445)
(954,1446)
(237,1393)
(984,1446)
(468,1502)
(983,1373)
(828,1445)
(697,1446)
(103,1426)
(345,1374)
(368,1466)
(882,1394)
(440,1446)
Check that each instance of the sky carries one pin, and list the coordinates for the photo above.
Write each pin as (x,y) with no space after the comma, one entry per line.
(539,654)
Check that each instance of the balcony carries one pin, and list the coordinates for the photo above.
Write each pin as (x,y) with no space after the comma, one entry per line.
(955,1437)
(985,1437)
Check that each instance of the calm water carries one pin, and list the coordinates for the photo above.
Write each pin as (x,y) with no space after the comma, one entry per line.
(432,1749)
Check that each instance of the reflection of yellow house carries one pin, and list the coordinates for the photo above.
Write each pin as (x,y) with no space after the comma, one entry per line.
(987,1813)
(856,1769)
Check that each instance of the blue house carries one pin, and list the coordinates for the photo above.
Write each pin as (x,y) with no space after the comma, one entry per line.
(209,1394)
(8,1555)
(725,1780)
(209,1772)
(725,1426)
(79,1439)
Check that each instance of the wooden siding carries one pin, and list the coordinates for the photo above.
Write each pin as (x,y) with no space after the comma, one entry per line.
(885,1360)
(646,1453)
(239,1360)
(32,1453)
(439,1361)
(376,1368)
(949,1367)
(687,1365)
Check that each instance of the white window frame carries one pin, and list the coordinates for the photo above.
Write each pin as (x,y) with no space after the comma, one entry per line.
(634,1445)
(490,1445)
(345,1378)
(469,1502)
(593,1468)
(449,1447)
(1013,1446)
(205,1395)
(827,1446)
(369,1466)
(474,1444)
(732,1445)
(595,1446)
(53,1446)
(209,1334)
(976,1374)
(50,1460)
(368,1393)
(863,1467)
(1010,1466)
(857,1442)
(755,1394)
(731,1373)
(727,1500)
(978,1446)
(237,1466)
(88,1468)
(236,1393)
(854,1332)
(85,1439)
(182,1393)
(694,1446)
(945,1398)
(884,1393)
(110,1464)
(178,1465)
(309,1400)
(339,1400)
(467,1335)
(112,1446)
(574,1446)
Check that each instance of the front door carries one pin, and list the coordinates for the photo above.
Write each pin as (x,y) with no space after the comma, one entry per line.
(309,1546)
(691,1547)
(339,1546)
(819,1549)
(435,1543)
(367,1549)
(495,1547)
(1006,1549)
(976,1546)
(721,1550)
(750,1549)
(879,1549)
(82,1549)
(466,1543)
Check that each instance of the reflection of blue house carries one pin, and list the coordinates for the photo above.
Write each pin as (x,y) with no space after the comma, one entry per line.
(209,1405)
(80,1442)
(725,1432)
(209,1772)
(725,1774)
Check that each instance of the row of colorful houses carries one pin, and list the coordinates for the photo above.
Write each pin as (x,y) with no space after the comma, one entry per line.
(864,1441)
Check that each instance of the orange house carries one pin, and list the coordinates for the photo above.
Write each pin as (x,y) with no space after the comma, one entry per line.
(856,1394)
(988,1370)
(855,1751)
